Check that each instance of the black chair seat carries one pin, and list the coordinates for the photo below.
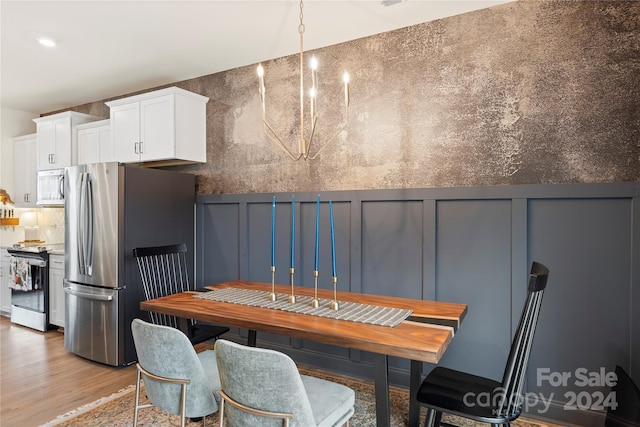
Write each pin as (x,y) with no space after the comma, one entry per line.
(464,394)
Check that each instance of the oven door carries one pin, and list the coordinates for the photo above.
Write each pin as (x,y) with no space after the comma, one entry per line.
(28,280)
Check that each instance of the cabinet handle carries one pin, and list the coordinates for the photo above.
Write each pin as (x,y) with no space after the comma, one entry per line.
(135,148)
(141,148)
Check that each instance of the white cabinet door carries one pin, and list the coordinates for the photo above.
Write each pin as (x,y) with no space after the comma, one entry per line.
(56,290)
(5,291)
(157,123)
(125,132)
(57,139)
(54,144)
(94,142)
(25,170)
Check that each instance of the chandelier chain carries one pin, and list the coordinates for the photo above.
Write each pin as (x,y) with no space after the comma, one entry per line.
(301,25)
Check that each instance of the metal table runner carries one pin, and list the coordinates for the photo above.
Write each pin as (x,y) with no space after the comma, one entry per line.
(350,311)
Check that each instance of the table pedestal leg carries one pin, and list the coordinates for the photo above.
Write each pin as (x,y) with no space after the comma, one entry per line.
(381,377)
(251,340)
(183,325)
(415,380)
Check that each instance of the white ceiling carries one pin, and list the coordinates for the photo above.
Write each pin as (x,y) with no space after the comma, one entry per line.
(111,48)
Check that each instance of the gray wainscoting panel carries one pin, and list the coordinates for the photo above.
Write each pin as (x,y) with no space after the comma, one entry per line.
(392,236)
(469,245)
(585,317)
(218,242)
(473,267)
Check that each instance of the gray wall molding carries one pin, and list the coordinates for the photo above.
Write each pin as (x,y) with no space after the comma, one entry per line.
(469,244)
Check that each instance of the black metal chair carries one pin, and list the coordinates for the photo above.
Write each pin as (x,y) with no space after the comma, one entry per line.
(164,272)
(449,391)
(627,400)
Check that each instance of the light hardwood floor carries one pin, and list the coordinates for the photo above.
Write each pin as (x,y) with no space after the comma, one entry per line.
(40,380)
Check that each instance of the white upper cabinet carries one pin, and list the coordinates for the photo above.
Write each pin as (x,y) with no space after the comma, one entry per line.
(25,170)
(57,143)
(166,126)
(94,142)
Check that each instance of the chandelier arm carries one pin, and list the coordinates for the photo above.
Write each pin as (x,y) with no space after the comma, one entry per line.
(273,136)
(313,131)
(328,142)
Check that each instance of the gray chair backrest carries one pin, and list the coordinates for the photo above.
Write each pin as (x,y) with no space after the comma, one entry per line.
(163,270)
(167,352)
(261,379)
(515,370)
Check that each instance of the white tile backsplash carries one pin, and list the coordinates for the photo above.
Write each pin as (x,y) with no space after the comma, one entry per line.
(50,227)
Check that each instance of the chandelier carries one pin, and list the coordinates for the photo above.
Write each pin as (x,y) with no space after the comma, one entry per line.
(305,145)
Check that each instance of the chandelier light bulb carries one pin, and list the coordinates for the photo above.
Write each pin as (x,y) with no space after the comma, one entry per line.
(260,70)
(314,63)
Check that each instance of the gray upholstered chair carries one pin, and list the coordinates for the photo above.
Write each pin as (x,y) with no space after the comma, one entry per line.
(262,387)
(176,378)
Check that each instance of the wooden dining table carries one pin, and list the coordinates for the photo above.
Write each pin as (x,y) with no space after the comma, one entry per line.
(422,337)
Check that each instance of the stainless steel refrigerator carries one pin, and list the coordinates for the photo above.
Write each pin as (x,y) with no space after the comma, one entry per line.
(109,210)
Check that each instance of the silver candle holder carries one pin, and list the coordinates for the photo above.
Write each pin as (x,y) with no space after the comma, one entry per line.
(292,297)
(272,295)
(315,303)
(334,304)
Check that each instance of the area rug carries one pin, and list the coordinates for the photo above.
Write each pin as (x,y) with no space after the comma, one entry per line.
(117,410)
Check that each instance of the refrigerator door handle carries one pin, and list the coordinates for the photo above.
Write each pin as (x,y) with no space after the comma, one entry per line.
(90,222)
(98,297)
(85,225)
(80,225)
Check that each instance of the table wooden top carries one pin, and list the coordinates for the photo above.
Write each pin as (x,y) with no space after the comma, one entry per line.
(412,339)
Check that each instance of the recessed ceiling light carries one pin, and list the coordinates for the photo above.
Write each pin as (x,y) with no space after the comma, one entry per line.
(45,41)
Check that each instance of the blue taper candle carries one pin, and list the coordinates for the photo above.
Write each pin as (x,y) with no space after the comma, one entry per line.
(317,232)
(293,231)
(273,232)
(333,240)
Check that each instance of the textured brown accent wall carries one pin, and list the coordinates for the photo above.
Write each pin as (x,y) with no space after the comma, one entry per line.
(523,93)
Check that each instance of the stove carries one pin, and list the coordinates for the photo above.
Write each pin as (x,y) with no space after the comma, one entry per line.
(36,247)
(29,268)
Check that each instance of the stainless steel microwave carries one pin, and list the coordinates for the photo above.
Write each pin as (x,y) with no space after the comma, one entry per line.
(50,191)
